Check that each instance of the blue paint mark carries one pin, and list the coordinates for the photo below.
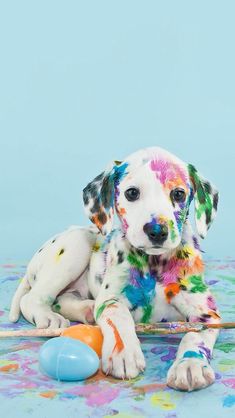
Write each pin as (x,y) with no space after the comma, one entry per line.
(119,172)
(193,354)
(154,225)
(141,288)
(229,401)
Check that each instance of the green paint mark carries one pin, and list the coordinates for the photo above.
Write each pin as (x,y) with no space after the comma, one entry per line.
(49,300)
(203,196)
(138,261)
(172,230)
(147,313)
(225,347)
(102,307)
(57,307)
(230,279)
(199,285)
(227,362)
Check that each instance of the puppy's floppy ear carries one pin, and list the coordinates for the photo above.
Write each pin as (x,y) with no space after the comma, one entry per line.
(99,196)
(205,200)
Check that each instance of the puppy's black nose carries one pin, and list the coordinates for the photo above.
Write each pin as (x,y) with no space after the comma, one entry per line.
(156,233)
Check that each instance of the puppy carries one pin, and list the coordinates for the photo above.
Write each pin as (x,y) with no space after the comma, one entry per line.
(149,269)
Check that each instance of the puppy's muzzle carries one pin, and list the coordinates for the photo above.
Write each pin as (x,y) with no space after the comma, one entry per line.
(156,233)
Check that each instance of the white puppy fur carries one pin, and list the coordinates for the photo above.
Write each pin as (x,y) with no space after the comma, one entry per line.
(148,269)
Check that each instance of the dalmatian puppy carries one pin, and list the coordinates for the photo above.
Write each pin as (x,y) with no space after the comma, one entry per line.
(147,270)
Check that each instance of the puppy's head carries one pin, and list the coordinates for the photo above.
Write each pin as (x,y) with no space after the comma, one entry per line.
(151,192)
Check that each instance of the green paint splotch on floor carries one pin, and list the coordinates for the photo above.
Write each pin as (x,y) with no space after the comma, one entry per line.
(225,347)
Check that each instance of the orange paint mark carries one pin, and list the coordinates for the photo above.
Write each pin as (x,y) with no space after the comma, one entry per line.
(171,290)
(152,387)
(95,219)
(9,368)
(214,314)
(192,267)
(50,394)
(111,306)
(119,346)
(122,211)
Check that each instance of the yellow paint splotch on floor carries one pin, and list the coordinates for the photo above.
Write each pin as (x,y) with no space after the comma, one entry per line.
(162,400)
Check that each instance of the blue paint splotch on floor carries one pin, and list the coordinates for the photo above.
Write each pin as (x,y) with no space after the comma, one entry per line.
(25,391)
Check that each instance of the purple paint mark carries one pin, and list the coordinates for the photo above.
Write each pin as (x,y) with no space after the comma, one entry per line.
(211,282)
(170,355)
(158,350)
(10,279)
(134,277)
(196,243)
(211,303)
(205,351)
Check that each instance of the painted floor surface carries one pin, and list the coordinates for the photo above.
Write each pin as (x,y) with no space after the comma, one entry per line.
(26,392)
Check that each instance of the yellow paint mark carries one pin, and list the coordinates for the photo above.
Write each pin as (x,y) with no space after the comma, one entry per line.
(50,394)
(184,281)
(162,400)
(59,254)
(96,247)
(226,365)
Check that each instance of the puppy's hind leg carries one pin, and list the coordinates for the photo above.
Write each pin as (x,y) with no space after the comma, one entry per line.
(72,307)
(23,288)
(57,265)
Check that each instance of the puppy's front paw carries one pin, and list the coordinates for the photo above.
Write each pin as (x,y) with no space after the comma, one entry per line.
(189,374)
(41,315)
(122,361)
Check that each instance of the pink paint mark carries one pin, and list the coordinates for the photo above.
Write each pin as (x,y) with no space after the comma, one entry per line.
(168,172)
(125,224)
(8,266)
(229,382)
(95,395)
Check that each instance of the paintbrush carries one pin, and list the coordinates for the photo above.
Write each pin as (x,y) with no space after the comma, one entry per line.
(164,328)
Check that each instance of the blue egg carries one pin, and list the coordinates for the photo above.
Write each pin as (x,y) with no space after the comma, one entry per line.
(65,358)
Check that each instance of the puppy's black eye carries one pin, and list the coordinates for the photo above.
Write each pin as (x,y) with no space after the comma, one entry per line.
(178,195)
(132,194)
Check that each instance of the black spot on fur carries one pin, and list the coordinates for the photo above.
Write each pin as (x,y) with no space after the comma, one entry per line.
(96,206)
(77,294)
(208,216)
(40,250)
(120,256)
(107,286)
(61,251)
(90,296)
(99,278)
(53,240)
(215,200)
(207,187)
(107,192)
(102,217)
(170,294)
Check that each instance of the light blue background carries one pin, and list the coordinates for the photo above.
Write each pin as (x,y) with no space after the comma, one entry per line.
(85,82)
